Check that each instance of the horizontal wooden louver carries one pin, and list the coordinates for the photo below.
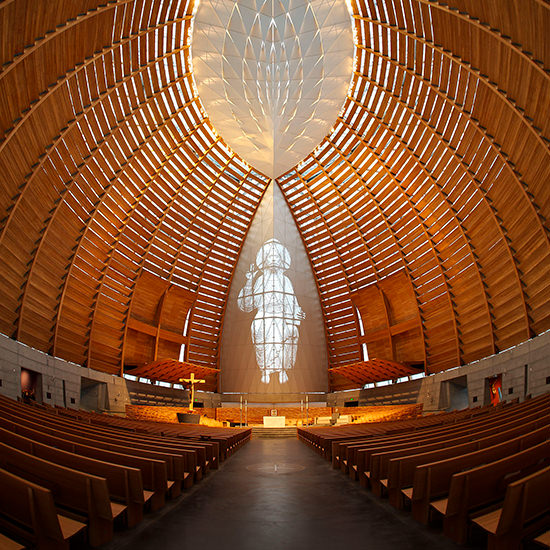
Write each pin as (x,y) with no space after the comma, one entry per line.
(438,167)
(391,320)
(156,324)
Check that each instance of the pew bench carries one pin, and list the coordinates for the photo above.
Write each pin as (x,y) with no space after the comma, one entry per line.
(80,495)
(432,480)
(7,543)
(401,470)
(543,540)
(154,472)
(525,510)
(187,461)
(339,445)
(177,476)
(124,483)
(482,487)
(375,459)
(28,512)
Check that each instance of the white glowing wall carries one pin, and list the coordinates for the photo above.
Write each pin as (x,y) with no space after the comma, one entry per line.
(274,330)
(273,339)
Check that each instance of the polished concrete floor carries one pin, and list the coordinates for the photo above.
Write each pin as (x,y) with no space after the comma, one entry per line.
(274,495)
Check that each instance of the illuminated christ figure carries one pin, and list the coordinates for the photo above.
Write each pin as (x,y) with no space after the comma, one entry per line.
(275,327)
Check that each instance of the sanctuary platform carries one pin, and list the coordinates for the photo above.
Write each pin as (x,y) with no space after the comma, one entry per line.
(293,416)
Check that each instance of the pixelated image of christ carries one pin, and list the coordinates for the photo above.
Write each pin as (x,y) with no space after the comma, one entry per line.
(275,326)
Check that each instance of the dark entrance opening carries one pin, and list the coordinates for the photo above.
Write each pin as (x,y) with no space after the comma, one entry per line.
(454,394)
(93,395)
(31,386)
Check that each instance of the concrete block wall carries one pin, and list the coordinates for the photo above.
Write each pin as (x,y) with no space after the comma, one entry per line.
(10,370)
(208,399)
(405,392)
(61,380)
(525,370)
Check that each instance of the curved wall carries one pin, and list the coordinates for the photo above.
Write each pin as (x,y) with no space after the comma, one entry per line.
(525,370)
(438,165)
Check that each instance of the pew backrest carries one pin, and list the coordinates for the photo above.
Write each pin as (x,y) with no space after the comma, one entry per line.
(71,489)
(32,509)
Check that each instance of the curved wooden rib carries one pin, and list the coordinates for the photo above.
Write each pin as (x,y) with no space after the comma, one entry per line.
(438,164)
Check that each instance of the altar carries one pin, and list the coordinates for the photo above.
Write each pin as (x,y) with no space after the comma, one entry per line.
(274,421)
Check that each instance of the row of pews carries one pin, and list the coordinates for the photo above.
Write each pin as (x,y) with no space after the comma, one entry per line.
(69,477)
(227,440)
(478,471)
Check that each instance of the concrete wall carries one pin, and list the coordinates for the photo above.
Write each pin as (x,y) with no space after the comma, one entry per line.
(140,392)
(61,380)
(403,393)
(525,370)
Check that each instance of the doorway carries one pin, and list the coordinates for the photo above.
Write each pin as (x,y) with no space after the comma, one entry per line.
(31,386)
(93,395)
(454,394)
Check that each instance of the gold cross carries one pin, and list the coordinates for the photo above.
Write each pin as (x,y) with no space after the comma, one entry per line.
(192,380)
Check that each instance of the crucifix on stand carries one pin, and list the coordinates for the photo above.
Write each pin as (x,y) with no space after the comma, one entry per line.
(192,381)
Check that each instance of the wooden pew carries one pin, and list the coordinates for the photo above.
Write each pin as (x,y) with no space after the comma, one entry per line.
(226,439)
(323,439)
(380,462)
(154,470)
(355,462)
(182,468)
(124,483)
(365,454)
(174,461)
(482,486)
(207,452)
(343,451)
(401,470)
(216,447)
(376,459)
(525,509)
(359,456)
(114,425)
(77,492)
(6,543)
(432,480)
(197,457)
(27,511)
(543,540)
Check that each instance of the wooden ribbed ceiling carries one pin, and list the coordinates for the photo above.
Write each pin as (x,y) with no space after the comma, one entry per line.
(438,165)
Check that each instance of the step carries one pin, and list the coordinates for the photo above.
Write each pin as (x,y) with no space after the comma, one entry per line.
(260,431)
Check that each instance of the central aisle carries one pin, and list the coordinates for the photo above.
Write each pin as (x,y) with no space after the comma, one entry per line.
(279,494)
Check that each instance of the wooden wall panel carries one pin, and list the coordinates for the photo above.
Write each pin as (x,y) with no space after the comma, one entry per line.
(443,131)
(391,320)
(437,167)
